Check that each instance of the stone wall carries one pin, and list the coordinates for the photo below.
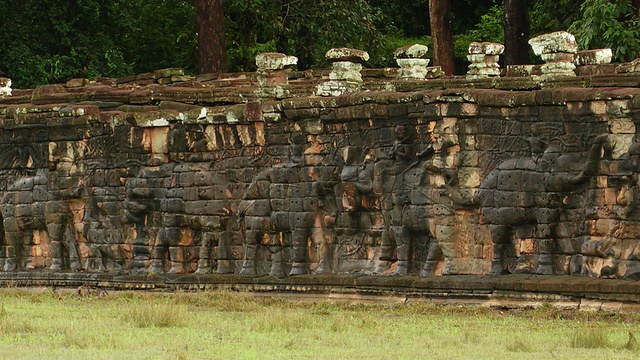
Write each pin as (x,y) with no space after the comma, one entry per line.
(230,173)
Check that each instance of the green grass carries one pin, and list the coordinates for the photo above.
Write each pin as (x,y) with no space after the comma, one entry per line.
(224,325)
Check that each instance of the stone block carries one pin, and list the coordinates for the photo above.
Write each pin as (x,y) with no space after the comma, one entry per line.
(558,58)
(76,83)
(174,205)
(559,41)
(414,51)
(593,57)
(487,48)
(520,70)
(274,61)
(164,73)
(347,54)
(5,87)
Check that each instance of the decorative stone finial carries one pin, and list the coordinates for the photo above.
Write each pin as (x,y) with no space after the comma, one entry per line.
(484,57)
(345,75)
(5,86)
(273,70)
(275,61)
(413,61)
(558,50)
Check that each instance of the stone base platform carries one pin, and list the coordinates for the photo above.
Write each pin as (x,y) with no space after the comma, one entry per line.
(495,291)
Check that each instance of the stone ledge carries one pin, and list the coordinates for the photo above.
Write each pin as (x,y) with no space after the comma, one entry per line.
(508,290)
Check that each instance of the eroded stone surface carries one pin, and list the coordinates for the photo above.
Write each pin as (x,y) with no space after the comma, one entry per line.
(558,50)
(559,41)
(435,177)
(484,59)
(5,86)
(414,51)
(487,48)
(412,61)
(594,57)
(275,61)
(345,75)
(347,54)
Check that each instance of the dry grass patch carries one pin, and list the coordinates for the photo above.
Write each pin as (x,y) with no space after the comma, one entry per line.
(590,338)
(147,315)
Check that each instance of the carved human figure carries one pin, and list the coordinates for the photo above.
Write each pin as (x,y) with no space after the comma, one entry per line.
(323,213)
(360,208)
(402,154)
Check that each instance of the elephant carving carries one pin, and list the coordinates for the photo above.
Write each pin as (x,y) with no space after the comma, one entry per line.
(31,210)
(525,197)
(286,203)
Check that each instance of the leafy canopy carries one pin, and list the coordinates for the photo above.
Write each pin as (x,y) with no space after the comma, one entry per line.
(48,41)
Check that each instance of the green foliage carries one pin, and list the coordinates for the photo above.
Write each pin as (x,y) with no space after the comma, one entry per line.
(490,28)
(408,18)
(549,16)
(491,25)
(51,41)
(250,29)
(608,24)
(304,28)
(64,325)
(47,41)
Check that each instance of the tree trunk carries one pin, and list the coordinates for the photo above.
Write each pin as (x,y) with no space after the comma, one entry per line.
(211,39)
(441,34)
(516,32)
(636,5)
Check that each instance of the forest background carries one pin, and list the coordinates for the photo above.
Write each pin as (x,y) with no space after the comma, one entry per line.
(51,41)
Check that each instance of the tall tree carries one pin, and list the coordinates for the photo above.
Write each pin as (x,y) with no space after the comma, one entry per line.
(516,32)
(211,36)
(442,34)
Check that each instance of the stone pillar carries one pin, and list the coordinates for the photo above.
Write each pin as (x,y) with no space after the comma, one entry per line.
(484,58)
(5,87)
(413,61)
(558,51)
(593,57)
(273,71)
(345,74)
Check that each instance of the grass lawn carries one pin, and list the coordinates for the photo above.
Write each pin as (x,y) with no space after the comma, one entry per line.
(225,325)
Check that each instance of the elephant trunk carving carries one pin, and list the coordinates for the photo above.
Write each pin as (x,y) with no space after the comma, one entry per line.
(526,195)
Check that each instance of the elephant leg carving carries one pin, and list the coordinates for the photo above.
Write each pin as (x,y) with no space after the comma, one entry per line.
(324,253)
(545,259)
(501,237)
(386,253)
(204,258)
(434,254)
(403,249)
(160,252)
(250,250)
(276,262)
(13,240)
(300,264)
